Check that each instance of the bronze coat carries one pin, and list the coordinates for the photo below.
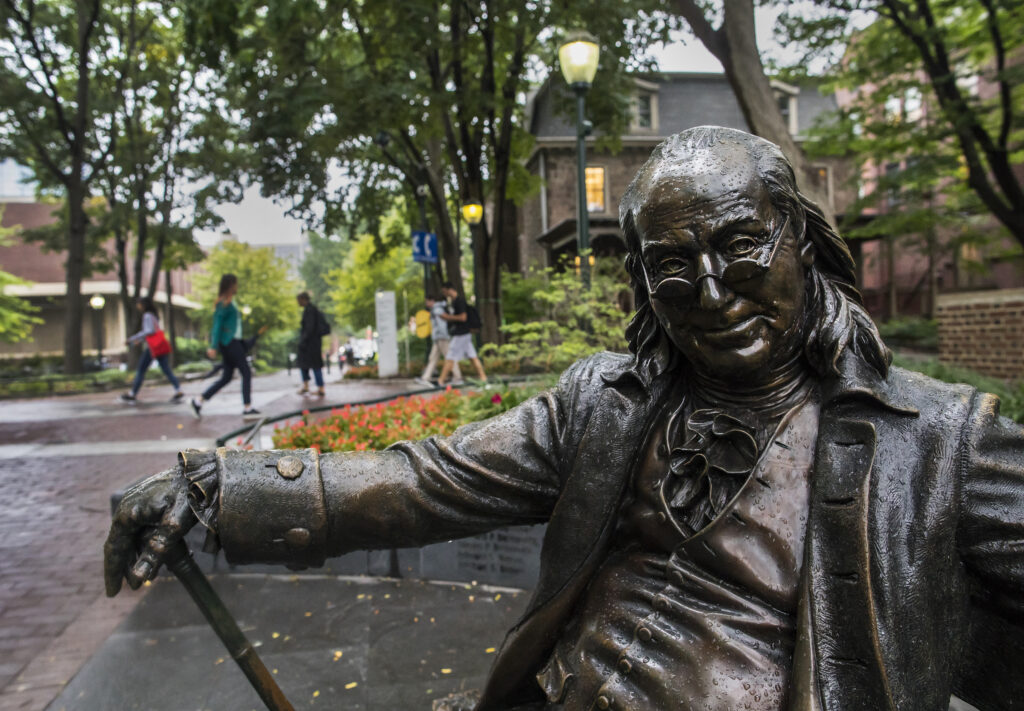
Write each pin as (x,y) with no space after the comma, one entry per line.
(914,571)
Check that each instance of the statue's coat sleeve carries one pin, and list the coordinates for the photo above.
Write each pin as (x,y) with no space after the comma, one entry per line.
(502,471)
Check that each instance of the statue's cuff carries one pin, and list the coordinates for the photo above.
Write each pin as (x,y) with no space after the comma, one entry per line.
(201,470)
(272,507)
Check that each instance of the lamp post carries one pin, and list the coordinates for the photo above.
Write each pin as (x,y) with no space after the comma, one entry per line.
(97,302)
(473,214)
(578,60)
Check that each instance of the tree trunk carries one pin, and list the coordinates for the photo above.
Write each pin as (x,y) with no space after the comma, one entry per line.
(169,315)
(893,306)
(734,44)
(75,268)
(933,273)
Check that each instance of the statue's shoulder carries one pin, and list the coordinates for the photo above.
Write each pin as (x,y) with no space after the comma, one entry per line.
(600,368)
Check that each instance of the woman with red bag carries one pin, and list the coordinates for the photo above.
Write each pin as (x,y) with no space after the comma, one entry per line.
(157,348)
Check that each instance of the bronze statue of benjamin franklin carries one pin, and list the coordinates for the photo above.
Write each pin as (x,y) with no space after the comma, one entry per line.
(751,510)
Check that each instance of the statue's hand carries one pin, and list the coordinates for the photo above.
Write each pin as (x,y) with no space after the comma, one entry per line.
(153,516)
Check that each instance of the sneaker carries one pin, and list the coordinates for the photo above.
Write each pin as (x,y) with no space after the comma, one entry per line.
(421,381)
(196,408)
(302,391)
(127,397)
(178,396)
(251,414)
(320,392)
(456,383)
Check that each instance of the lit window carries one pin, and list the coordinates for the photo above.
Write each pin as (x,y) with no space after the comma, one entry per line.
(595,189)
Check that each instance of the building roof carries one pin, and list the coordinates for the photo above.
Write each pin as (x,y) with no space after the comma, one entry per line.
(685,100)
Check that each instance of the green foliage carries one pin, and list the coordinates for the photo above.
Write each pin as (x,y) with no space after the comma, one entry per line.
(919,333)
(16,319)
(517,290)
(941,141)
(1011,395)
(263,286)
(572,322)
(363,274)
(325,255)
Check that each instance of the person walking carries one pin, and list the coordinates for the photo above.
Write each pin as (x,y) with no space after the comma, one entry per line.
(157,348)
(461,330)
(310,355)
(440,341)
(226,338)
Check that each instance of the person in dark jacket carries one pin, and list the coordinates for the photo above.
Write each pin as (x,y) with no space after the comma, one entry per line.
(751,510)
(309,355)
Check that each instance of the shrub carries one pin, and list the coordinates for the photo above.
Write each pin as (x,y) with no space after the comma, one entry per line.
(574,322)
(377,426)
(919,333)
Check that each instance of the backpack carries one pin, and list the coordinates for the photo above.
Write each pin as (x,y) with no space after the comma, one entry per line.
(473,318)
(322,327)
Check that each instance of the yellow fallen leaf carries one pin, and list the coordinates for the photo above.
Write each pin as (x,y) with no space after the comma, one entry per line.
(490,650)
(446,670)
(309,614)
(316,694)
(275,635)
(181,426)
(220,660)
(337,654)
(472,598)
(352,685)
(273,671)
(497,597)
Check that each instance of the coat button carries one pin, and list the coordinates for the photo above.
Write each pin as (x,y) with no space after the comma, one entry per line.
(625,667)
(297,538)
(660,604)
(603,702)
(290,467)
(644,634)
(662,518)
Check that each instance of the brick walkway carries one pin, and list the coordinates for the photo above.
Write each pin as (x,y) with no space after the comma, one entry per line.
(54,512)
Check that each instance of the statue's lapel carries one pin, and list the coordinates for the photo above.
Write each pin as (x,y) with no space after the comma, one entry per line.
(846,649)
(577,536)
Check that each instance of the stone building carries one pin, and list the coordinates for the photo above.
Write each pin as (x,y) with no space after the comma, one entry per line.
(46,288)
(662,106)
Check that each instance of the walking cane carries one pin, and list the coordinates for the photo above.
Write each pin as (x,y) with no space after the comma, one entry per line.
(180,562)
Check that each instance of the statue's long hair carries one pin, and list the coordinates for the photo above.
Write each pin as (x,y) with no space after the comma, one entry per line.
(836,318)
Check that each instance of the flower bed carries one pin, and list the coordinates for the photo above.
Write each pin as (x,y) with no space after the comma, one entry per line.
(377,426)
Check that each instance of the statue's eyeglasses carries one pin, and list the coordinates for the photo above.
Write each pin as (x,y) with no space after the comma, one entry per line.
(732,273)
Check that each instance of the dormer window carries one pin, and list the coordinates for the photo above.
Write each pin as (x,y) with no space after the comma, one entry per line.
(645,107)
(785,96)
(644,113)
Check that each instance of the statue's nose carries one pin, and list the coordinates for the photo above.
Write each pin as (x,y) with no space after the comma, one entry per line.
(712,293)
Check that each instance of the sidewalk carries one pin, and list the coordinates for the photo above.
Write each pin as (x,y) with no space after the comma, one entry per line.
(60,459)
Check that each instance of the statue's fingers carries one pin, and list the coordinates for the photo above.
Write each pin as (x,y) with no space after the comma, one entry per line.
(144,569)
(118,554)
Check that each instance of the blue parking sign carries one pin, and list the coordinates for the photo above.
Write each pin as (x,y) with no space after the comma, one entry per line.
(424,247)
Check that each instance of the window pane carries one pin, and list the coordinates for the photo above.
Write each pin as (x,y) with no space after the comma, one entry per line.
(595,189)
(643,111)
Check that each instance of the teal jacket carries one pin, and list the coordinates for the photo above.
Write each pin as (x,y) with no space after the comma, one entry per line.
(225,324)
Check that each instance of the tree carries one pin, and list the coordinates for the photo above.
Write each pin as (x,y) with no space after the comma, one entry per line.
(363,274)
(961,63)
(53,119)
(264,286)
(326,254)
(734,43)
(16,319)
(440,84)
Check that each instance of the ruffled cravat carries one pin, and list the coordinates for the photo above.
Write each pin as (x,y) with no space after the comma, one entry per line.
(718,453)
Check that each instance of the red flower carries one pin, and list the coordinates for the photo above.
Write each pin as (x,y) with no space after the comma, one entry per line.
(495,398)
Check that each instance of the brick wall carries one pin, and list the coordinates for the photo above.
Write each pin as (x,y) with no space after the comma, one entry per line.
(983,330)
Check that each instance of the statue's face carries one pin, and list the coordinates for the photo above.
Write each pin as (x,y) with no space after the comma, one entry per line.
(724,267)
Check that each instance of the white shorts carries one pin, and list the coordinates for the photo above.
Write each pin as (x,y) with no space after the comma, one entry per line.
(461,348)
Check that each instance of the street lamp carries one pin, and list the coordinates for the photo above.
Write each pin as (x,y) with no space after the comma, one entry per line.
(97,302)
(473,213)
(578,59)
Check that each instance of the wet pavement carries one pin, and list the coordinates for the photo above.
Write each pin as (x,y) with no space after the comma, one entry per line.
(60,459)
